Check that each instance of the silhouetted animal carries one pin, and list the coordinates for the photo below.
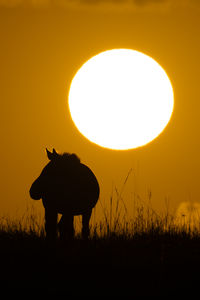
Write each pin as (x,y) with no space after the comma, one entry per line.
(67,187)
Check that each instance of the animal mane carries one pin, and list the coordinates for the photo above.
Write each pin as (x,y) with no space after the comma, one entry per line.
(70,157)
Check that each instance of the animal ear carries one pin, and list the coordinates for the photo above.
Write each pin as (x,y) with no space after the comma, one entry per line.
(49,154)
(55,153)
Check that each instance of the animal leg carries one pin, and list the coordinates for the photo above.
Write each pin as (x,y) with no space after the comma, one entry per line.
(66,227)
(50,224)
(85,224)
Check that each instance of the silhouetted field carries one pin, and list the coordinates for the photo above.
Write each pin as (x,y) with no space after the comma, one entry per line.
(148,256)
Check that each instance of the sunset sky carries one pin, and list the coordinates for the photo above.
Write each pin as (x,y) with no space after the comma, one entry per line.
(44,43)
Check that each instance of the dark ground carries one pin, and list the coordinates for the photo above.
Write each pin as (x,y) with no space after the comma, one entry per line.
(140,266)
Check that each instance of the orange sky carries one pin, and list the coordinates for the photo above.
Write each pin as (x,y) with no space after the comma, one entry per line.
(43,45)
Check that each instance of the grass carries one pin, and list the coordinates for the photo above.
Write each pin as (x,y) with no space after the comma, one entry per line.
(153,263)
(146,254)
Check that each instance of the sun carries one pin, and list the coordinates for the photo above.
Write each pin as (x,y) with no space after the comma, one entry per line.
(121,99)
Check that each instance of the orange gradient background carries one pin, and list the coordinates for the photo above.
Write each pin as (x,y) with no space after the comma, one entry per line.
(43,46)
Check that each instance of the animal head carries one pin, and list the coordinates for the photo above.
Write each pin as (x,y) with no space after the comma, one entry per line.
(65,157)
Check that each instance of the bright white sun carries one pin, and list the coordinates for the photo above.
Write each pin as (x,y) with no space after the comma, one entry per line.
(121,99)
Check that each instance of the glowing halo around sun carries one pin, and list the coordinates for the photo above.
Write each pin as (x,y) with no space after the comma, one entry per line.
(121,99)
